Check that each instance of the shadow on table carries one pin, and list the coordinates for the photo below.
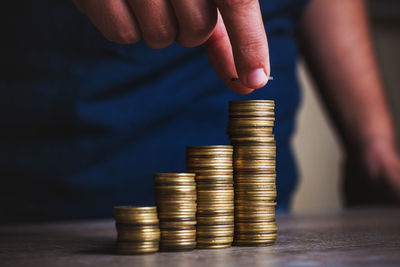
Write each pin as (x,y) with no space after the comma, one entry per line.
(99,247)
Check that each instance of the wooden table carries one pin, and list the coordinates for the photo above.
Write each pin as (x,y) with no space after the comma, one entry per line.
(357,237)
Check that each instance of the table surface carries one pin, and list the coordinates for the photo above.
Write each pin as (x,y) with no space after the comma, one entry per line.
(355,237)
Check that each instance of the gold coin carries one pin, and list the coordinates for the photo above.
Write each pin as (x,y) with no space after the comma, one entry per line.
(247,191)
(178,234)
(216,159)
(216,203)
(215,240)
(215,228)
(136,247)
(255,162)
(256,157)
(210,165)
(177,206)
(216,213)
(214,172)
(256,242)
(248,123)
(126,235)
(249,131)
(255,174)
(215,219)
(180,228)
(244,151)
(255,204)
(171,180)
(135,215)
(255,213)
(214,246)
(175,175)
(183,217)
(209,155)
(174,201)
(177,224)
(254,181)
(249,199)
(255,186)
(253,104)
(171,198)
(183,188)
(242,192)
(220,233)
(254,218)
(215,199)
(216,178)
(253,142)
(250,120)
(177,213)
(242,189)
(217,186)
(217,196)
(256,226)
(212,148)
(256,236)
(178,242)
(182,194)
(250,167)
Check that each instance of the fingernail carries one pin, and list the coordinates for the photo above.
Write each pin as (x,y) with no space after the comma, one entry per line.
(256,78)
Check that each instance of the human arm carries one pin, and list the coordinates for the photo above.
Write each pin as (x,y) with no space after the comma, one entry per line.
(338,49)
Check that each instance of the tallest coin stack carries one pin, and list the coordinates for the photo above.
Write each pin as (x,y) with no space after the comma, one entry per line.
(250,132)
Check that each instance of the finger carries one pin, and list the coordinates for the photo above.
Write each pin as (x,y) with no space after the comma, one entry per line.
(113,19)
(156,20)
(246,32)
(219,52)
(196,19)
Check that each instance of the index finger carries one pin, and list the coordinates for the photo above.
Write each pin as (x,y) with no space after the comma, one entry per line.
(245,27)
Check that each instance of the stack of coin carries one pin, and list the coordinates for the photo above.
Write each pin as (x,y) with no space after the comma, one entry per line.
(250,131)
(175,195)
(137,228)
(215,194)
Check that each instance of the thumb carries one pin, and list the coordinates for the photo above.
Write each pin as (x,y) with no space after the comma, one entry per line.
(219,52)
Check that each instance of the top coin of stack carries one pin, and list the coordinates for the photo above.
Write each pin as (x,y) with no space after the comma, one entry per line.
(175,195)
(137,228)
(215,194)
(250,131)
(251,122)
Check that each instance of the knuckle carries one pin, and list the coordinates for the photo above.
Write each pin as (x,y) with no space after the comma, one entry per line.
(160,38)
(197,31)
(202,28)
(123,37)
(234,3)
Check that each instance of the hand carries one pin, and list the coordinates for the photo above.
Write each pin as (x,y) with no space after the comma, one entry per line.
(231,30)
(382,164)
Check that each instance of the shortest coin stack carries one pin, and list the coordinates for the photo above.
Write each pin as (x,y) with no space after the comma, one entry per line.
(176,202)
(138,229)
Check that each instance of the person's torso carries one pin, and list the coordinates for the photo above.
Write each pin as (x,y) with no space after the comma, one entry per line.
(88,121)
